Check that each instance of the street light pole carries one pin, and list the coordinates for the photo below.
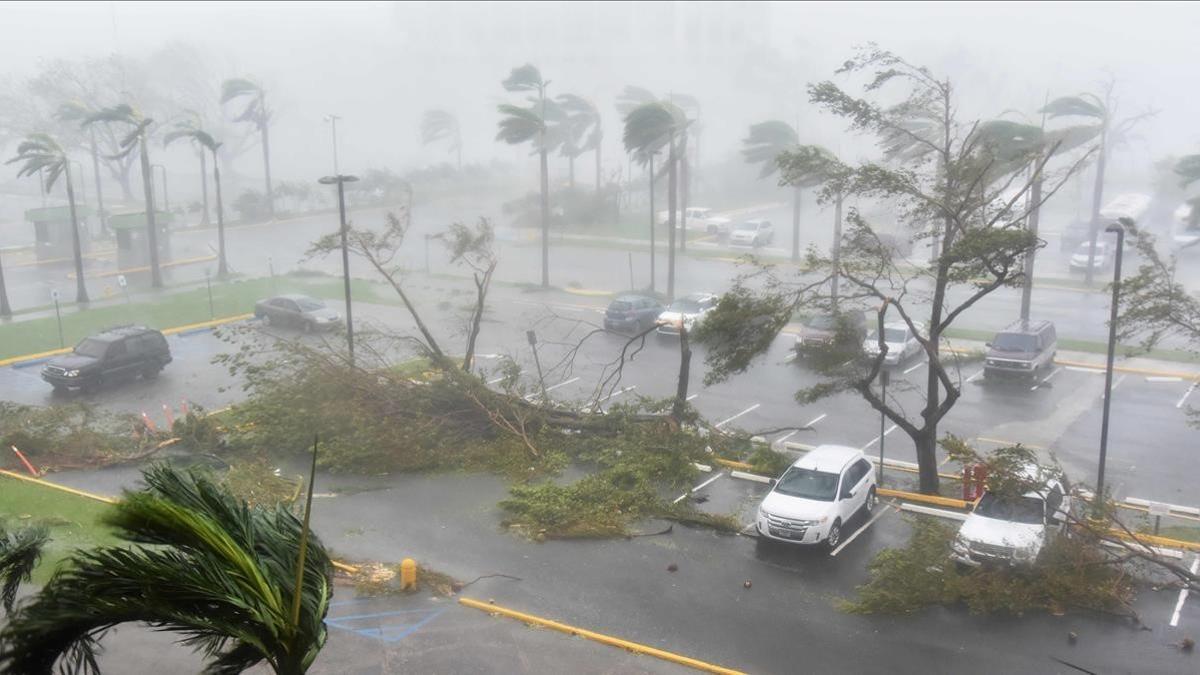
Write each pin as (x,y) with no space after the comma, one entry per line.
(340,181)
(652,222)
(1119,230)
(333,120)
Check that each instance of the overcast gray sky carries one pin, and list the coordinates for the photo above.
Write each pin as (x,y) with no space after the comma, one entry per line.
(380,65)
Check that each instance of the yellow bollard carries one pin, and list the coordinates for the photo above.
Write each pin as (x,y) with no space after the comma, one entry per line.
(408,574)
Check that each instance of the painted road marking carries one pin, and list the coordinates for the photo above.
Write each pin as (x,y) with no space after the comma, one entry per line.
(1047,379)
(789,358)
(1183,595)
(1164,379)
(817,419)
(786,436)
(1186,394)
(1081,369)
(497,379)
(698,488)
(1004,443)
(537,394)
(914,368)
(1115,385)
(691,397)
(393,633)
(975,376)
(860,530)
(722,423)
(617,393)
(876,439)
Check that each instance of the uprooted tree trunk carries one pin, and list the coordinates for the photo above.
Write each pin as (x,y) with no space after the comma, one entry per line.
(685,368)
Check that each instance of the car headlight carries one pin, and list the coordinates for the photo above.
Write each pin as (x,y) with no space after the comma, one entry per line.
(72,373)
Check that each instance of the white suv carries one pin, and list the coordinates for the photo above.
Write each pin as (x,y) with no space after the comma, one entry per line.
(816,496)
(1012,531)
(752,233)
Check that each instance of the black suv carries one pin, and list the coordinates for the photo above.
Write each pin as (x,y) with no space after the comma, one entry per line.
(1021,350)
(125,351)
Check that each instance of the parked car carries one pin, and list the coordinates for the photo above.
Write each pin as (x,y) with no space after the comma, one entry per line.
(121,352)
(900,341)
(632,313)
(699,219)
(1102,260)
(816,496)
(1021,350)
(820,329)
(752,233)
(1013,530)
(689,311)
(298,311)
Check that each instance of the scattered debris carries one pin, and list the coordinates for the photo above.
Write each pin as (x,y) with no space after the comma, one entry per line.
(672,567)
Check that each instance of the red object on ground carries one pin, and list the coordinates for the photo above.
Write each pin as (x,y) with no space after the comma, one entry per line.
(973,481)
(169,415)
(21,456)
(149,423)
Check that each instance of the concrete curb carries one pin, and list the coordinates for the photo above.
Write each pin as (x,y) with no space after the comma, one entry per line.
(588,292)
(172,263)
(599,637)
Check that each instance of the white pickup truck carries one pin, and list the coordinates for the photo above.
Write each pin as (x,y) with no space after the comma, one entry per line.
(1012,530)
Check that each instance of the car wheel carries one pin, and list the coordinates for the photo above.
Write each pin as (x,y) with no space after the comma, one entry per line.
(869,505)
(835,534)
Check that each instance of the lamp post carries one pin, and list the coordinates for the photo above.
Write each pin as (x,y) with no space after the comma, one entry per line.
(1119,230)
(163,171)
(340,181)
(333,120)
(652,221)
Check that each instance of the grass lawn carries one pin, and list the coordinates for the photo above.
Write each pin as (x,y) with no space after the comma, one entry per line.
(73,521)
(169,310)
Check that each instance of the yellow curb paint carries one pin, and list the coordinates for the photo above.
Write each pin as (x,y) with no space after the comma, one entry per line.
(600,637)
(206,324)
(351,569)
(173,263)
(1004,443)
(1153,540)
(30,357)
(732,464)
(918,497)
(1132,371)
(56,486)
(591,293)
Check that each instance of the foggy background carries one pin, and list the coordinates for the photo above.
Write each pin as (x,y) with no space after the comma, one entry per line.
(381,65)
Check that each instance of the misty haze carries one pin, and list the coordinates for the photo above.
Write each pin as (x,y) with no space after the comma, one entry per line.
(732,337)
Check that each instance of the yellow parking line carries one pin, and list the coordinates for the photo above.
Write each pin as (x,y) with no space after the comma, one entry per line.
(130,270)
(30,357)
(600,637)
(56,486)
(1133,371)
(918,497)
(732,464)
(206,324)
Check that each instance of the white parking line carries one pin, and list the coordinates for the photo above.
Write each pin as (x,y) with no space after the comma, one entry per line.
(697,488)
(562,384)
(1046,379)
(497,379)
(876,439)
(1164,379)
(691,397)
(1183,595)
(860,530)
(1081,369)
(914,367)
(817,419)
(722,423)
(1115,385)
(786,436)
(617,393)
(975,376)
(1186,394)
(789,358)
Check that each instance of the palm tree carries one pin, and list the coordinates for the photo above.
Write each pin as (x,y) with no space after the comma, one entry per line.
(649,127)
(243,584)
(257,113)
(588,130)
(530,125)
(40,153)
(764,144)
(810,166)
(136,139)
(437,125)
(1100,112)
(193,120)
(691,109)
(19,554)
(205,141)
(76,111)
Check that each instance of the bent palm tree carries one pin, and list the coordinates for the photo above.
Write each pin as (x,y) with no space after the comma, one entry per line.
(75,111)
(764,145)
(126,115)
(257,113)
(19,554)
(584,118)
(438,125)
(41,153)
(649,127)
(206,142)
(530,125)
(199,563)
(810,166)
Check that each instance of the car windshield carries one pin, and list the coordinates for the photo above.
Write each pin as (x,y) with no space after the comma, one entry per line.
(1027,510)
(748,227)
(309,305)
(889,335)
(1015,342)
(685,306)
(808,484)
(91,347)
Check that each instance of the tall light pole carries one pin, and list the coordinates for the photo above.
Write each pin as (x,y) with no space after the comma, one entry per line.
(1119,230)
(653,224)
(340,181)
(333,120)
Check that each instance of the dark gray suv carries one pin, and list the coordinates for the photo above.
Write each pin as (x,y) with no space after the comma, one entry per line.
(125,351)
(632,313)
(1021,350)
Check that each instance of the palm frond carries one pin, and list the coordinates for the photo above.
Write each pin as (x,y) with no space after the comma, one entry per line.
(766,141)
(120,113)
(19,554)
(649,127)
(809,166)
(238,86)
(1075,105)
(73,111)
(519,125)
(40,153)
(524,78)
(631,97)
(437,125)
